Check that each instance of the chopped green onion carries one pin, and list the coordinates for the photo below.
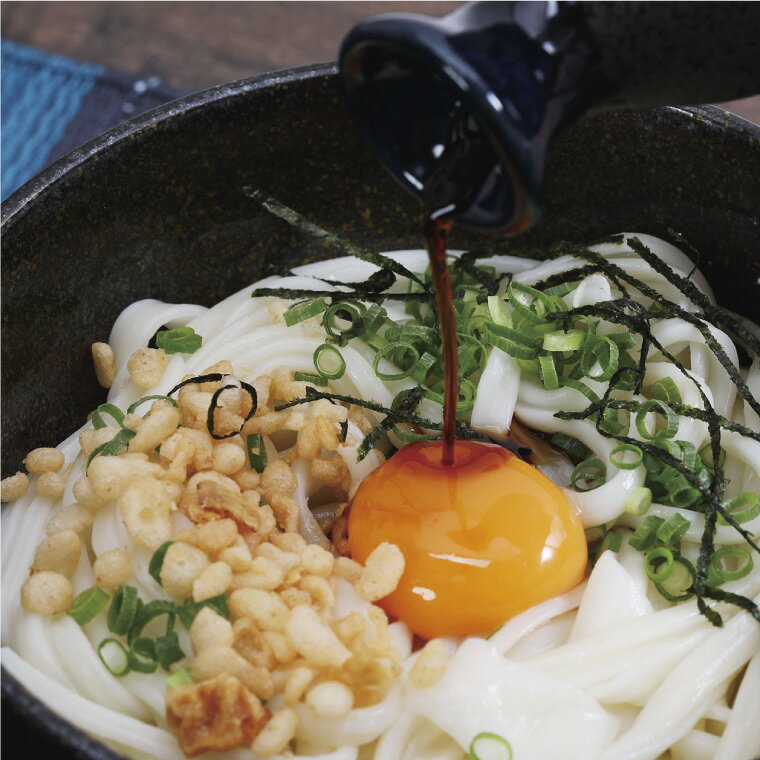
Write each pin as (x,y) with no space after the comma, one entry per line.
(548,372)
(623,449)
(742,508)
(168,650)
(601,352)
(112,411)
(677,587)
(572,446)
(610,421)
(299,312)
(718,573)
(612,541)
(421,368)
(132,408)
(496,336)
(114,656)
(658,407)
(560,290)
(308,377)
(577,385)
(123,609)
(705,454)
(623,340)
(189,609)
(666,390)
(345,311)
(571,340)
(375,318)
(180,340)
(114,447)
(639,501)
(658,564)
(645,535)
(88,604)
(157,562)
(589,474)
(673,530)
(179,677)
(257,453)
(329,362)
(387,351)
(151,611)
(142,656)
(498,311)
(529,302)
(487,738)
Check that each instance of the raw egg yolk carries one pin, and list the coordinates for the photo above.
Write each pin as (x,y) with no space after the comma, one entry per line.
(483,539)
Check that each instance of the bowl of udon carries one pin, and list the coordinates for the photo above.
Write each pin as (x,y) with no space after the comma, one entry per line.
(218,337)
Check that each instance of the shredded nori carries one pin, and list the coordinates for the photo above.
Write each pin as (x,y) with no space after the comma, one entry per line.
(626,311)
(629,312)
(295,219)
(215,377)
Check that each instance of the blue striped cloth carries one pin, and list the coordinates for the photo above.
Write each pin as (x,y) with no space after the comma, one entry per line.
(51,105)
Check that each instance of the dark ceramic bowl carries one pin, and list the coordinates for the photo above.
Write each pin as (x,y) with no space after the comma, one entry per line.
(154,208)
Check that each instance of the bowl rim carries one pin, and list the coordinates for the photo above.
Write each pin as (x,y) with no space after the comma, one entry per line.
(32,709)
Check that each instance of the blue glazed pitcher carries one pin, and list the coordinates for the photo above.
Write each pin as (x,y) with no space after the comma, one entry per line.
(462,109)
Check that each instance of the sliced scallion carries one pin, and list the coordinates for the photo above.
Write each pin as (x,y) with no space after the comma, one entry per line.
(548,372)
(657,407)
(678,585)
(719,570)
(308,377)
(179,677)
(88,604)
(123,609)
(257,453)
(666,390)
(329,362)
(626,456)
(646,534)
(168,650)
(672,530)
(658,564)
(157,561)
(132,408)
(180,340)
(639,501)
(299,312)
(112,411)
(587,475)
(142,656)
(558,340)
(403,348)
(113,654)
(742,508)
(486,738)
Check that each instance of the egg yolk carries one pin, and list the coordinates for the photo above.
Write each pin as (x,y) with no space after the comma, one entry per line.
(483,539)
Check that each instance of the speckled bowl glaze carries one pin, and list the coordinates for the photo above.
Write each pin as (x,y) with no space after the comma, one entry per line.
(155,208)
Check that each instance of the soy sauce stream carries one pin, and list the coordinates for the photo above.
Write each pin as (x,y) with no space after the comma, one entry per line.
(460,172)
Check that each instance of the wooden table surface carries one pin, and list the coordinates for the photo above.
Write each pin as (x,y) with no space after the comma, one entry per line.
(193,45)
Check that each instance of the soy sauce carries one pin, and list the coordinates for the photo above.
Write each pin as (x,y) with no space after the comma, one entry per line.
(460,172)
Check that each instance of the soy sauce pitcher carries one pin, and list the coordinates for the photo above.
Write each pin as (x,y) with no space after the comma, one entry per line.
(468,104)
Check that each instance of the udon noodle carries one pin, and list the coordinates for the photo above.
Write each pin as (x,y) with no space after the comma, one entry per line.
(610,670)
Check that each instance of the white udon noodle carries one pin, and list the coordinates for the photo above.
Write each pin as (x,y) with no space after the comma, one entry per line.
(606,671)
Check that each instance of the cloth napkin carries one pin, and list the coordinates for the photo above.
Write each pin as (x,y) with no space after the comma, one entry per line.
(51,105)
